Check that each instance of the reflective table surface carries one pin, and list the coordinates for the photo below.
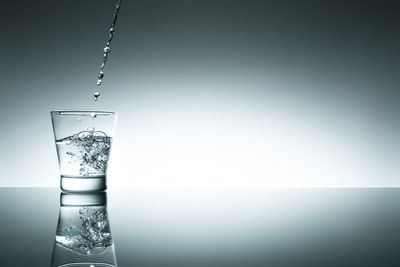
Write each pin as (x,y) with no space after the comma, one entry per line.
(202,227)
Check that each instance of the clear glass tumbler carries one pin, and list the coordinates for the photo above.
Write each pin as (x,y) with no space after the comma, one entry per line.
(83,140)
(83,236)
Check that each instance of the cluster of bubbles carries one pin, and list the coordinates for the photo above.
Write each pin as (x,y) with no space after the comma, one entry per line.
(93,150)
(90,235)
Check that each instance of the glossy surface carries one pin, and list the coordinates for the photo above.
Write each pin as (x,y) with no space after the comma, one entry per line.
(218,227)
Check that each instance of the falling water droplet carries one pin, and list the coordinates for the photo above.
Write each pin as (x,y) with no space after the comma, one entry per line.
(107,48)
(96,96)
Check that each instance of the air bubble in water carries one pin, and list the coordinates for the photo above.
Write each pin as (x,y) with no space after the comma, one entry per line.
(99,81)
(107,49)
(93,115)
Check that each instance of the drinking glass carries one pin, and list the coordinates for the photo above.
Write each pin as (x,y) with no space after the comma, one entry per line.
(83,140)
(83,236)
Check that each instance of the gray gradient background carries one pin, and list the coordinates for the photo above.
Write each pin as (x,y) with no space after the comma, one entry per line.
(210,93)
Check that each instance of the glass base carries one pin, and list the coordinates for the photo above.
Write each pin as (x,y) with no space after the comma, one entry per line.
(83,184)
(88,264)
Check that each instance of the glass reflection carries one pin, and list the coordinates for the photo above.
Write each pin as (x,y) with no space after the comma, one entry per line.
(83,235)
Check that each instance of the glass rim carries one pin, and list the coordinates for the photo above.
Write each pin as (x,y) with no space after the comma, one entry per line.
(83,112)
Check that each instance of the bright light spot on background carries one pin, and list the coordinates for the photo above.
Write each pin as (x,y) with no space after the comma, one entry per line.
(180,130)
(186,140)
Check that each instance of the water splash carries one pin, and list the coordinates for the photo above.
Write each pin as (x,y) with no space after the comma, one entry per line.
(87,152)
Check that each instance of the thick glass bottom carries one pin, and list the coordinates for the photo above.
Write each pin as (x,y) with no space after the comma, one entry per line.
(83,184)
